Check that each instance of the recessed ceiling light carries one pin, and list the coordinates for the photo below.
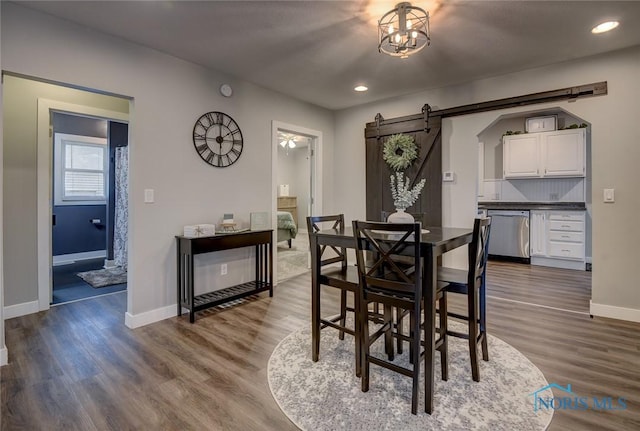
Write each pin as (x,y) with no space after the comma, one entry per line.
(604,27)
(361,88)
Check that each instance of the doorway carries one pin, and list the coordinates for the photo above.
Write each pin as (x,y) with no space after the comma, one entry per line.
(67,268)
(297,193)
(90,176)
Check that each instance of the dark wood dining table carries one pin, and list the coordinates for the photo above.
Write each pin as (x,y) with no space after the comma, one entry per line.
(434,243)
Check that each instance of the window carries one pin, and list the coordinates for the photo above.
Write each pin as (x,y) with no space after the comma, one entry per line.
(81,170)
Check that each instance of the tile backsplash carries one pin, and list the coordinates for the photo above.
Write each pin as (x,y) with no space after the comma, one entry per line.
(534,190)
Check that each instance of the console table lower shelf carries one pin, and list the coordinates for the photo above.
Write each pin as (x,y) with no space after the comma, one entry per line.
(188,247)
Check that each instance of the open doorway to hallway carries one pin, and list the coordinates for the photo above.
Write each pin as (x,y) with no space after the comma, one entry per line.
(298,194)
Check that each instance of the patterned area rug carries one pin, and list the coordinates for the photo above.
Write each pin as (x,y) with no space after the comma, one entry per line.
(326,395)
(293,261)
(104,277)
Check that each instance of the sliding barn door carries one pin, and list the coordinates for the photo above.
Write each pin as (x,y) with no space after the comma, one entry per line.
(426,132)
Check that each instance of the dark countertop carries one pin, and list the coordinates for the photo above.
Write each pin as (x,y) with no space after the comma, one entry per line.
(569,206)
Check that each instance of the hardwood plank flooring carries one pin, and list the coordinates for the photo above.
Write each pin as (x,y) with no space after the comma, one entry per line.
(77,367)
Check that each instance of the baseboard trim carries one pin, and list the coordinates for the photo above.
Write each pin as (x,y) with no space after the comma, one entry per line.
(65,259)
(4,356)
(613,312)
(17,310)
(137,320)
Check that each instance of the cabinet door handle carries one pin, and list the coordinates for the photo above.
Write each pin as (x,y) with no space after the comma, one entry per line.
(567,226)
(565,236)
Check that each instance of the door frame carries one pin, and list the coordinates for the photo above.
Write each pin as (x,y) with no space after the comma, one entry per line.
(44,172)
(315,164)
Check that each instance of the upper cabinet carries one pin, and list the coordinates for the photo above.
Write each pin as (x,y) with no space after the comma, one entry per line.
(559,153)
(521,156)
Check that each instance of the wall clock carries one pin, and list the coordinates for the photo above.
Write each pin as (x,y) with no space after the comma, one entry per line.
(218,139)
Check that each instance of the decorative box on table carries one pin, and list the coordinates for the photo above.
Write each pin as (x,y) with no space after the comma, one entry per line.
(198,230)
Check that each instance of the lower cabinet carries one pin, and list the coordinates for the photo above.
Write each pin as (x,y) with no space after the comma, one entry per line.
(557,238)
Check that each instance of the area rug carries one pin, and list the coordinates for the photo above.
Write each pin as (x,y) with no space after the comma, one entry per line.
(104,277)
(293,261)
(326,395)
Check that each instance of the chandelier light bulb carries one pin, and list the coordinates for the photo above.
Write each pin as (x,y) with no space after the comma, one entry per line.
(403,31)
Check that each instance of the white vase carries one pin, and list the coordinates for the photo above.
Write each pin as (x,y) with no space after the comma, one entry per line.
(400,217)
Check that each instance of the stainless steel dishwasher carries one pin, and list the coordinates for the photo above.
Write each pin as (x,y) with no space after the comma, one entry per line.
(509,235)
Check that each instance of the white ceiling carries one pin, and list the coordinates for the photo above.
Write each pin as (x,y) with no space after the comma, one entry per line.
(317,51)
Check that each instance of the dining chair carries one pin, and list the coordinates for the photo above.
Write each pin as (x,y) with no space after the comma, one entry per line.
(335,272)
(472,284)
(395,283)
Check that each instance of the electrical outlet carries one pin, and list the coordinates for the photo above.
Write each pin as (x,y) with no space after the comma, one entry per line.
(223,269)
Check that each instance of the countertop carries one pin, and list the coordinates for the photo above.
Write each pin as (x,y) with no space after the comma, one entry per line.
(499,205)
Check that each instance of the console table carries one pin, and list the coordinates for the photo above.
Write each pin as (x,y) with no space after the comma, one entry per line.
(187,247)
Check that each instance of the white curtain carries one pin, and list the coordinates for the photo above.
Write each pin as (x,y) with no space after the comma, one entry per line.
(121,207)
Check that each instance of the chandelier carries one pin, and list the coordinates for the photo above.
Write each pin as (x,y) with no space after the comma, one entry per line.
(403,31)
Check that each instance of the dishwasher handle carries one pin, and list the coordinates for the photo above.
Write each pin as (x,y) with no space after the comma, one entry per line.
(501,213)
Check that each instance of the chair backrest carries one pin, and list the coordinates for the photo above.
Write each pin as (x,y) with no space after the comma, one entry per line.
(394,267)
(479,252)
(314,224)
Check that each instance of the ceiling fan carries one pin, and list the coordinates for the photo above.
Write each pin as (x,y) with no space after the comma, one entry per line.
(288,140)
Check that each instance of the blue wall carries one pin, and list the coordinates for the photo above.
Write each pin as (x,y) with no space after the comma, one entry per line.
(73,231)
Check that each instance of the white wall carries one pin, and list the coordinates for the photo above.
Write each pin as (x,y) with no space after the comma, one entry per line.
(615,155)
(293,169)
(303,183)
(287,169)
(168,96)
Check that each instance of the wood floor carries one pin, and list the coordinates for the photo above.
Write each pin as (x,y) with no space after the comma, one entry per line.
(77,367)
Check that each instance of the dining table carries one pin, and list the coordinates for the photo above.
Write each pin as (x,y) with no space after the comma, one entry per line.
(434,242)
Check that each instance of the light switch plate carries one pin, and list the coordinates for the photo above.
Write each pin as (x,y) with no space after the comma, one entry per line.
(447,176)
(609,195)
(149,197)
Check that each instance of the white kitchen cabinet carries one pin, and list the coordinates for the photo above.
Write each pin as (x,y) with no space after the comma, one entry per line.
(558,239)
(563,153)
(560,153)
(521,156)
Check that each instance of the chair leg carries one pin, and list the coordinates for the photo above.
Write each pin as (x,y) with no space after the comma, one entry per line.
(358,333)
(388,334)
(412,333)
(364,345)
(399,330)
(473,335)
(483,322)
(343,312)
(415,358)
(485,347)
(444,348)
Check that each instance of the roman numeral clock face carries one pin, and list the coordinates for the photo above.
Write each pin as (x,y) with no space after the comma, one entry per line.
(218,139)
